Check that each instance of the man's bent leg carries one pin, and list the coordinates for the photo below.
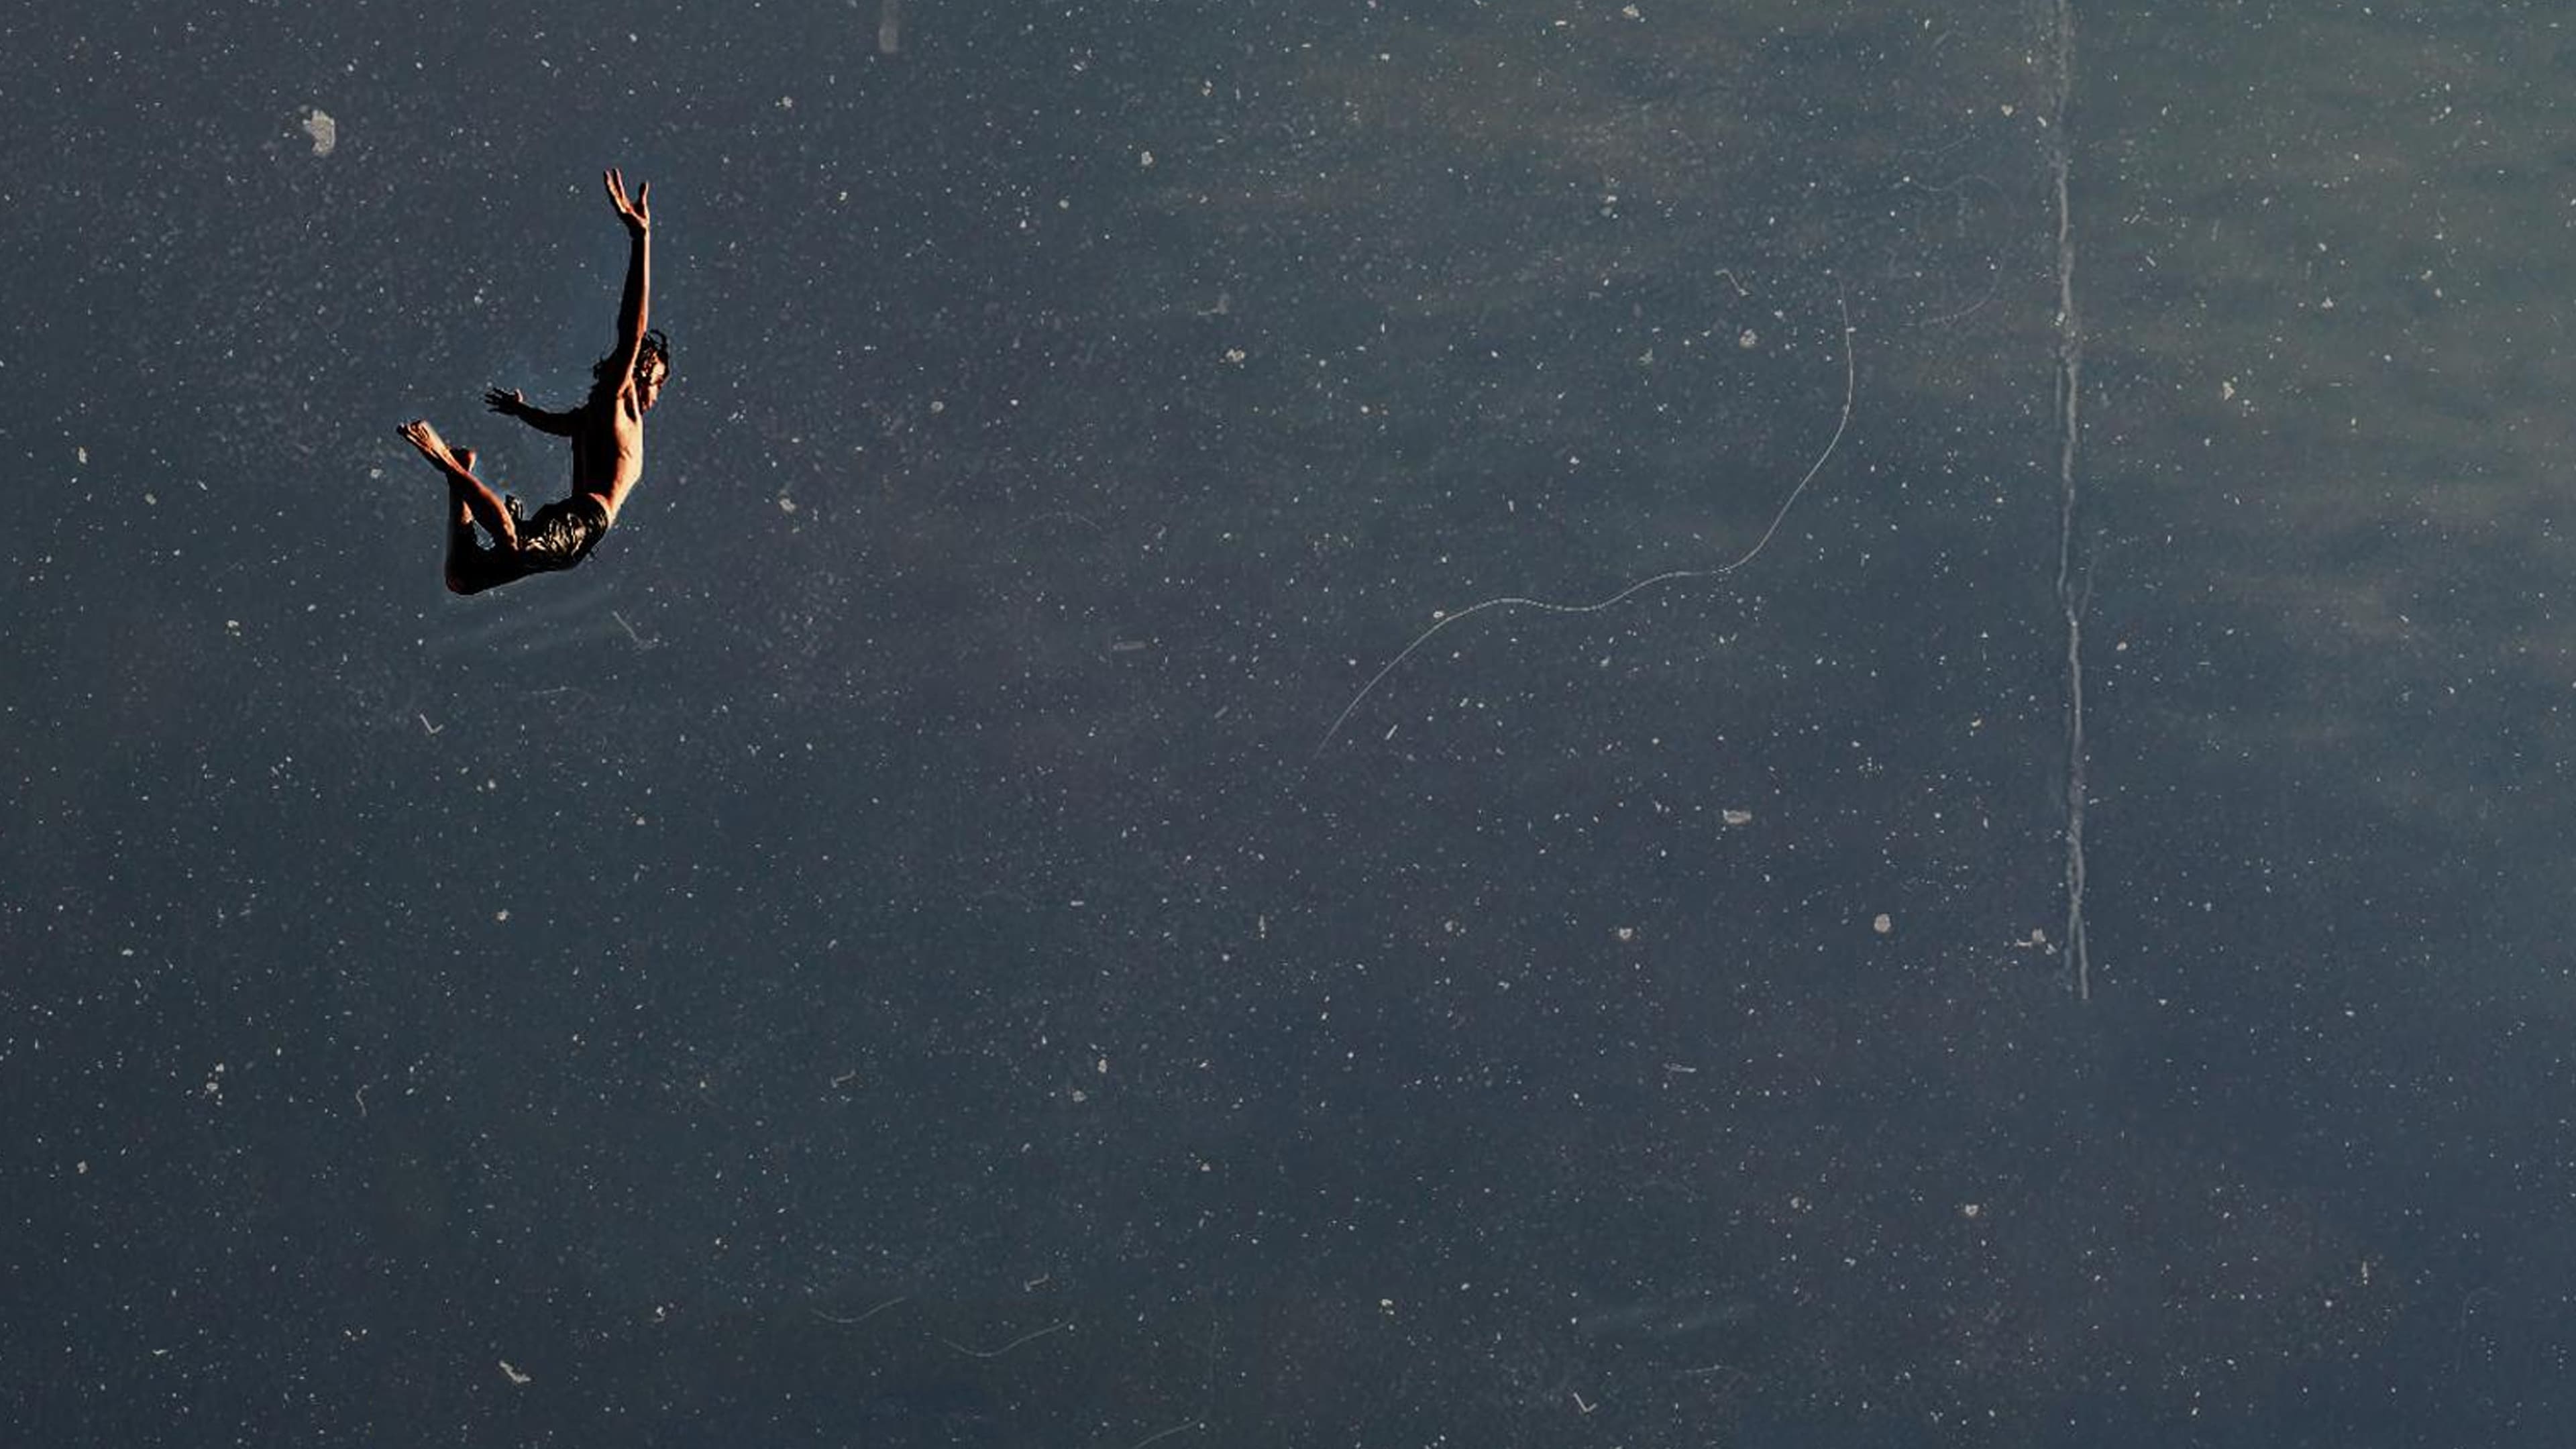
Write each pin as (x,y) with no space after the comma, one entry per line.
(471,568)
(462,485)
(469,564)
(484,506)
(459,510)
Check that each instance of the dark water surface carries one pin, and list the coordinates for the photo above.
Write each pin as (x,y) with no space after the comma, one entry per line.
(897,950)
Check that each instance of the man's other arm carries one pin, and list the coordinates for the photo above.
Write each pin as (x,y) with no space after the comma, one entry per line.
(514,404)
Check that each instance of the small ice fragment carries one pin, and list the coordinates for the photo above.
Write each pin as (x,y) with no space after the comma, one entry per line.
(324,131)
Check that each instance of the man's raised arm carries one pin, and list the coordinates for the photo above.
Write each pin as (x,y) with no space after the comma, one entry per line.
(633,307)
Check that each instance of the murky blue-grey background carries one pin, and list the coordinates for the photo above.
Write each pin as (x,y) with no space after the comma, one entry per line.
(878,955)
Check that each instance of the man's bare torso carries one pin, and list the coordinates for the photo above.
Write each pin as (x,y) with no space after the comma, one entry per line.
(608,447)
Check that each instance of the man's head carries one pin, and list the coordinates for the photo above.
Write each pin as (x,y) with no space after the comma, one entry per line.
(652,368)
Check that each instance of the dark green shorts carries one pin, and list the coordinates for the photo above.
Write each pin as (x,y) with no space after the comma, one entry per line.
(551,540)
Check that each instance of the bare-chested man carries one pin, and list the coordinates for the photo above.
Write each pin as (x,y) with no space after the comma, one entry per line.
(607,433)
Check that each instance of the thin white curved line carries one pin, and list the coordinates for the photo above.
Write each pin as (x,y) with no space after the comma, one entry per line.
(1851,389)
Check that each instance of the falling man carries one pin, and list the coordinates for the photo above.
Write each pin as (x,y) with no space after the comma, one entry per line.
(607,434)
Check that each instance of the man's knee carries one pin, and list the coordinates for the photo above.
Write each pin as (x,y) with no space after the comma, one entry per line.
(473,580)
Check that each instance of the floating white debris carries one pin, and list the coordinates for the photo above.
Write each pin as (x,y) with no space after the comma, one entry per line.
(324,131)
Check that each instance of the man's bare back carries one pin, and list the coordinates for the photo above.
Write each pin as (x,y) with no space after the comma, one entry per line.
(606,432)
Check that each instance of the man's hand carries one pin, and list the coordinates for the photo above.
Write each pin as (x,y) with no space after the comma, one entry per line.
(638,219)
(514,404)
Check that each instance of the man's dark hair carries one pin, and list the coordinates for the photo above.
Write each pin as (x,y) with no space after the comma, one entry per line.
(656,348)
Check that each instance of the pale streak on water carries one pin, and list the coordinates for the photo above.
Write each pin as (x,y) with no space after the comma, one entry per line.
(2074,580)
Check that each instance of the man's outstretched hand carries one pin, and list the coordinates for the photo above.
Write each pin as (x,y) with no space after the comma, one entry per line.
(511,404)
(635,214)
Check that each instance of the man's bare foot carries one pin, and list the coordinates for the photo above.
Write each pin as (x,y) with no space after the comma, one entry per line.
(421,435)
(465,459)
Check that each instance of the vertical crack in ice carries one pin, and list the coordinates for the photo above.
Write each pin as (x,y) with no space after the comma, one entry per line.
(2074,578)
